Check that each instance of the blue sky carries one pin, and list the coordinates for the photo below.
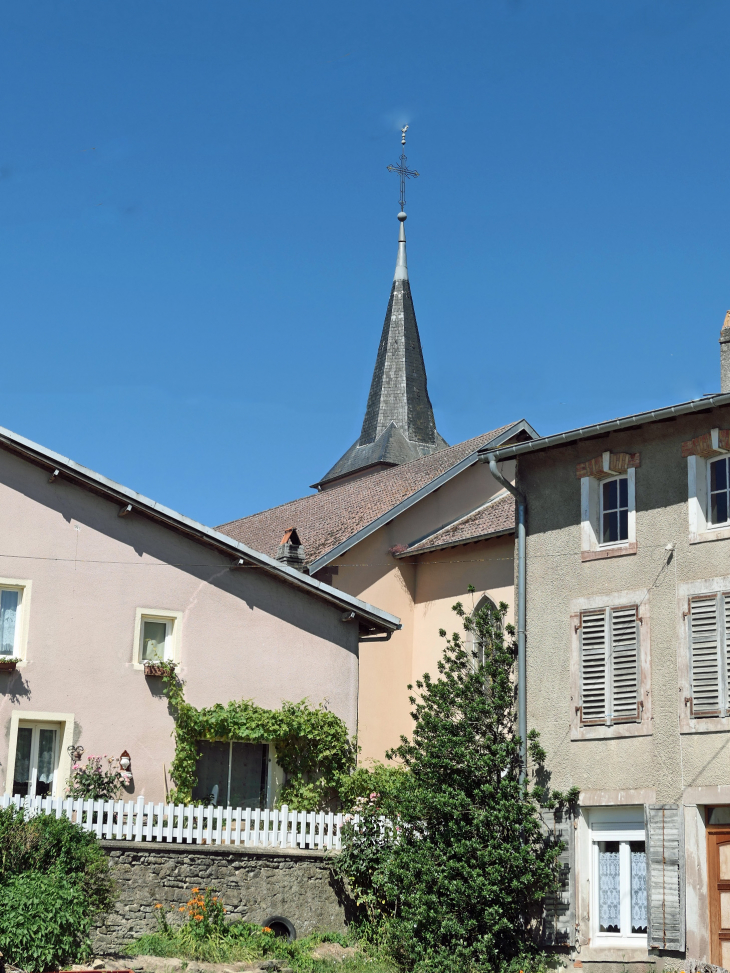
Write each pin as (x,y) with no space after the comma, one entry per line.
(198,228)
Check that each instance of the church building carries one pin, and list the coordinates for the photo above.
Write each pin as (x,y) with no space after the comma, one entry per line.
(403,521)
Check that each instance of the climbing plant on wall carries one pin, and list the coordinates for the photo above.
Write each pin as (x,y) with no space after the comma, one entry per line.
(313,747)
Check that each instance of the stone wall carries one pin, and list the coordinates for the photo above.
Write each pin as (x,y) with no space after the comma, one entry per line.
(255,884)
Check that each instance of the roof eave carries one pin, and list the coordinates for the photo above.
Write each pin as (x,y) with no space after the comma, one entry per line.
(704,404)
(46,458)
(489,535)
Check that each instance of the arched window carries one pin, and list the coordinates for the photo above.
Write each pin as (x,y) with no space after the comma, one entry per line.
(474,642)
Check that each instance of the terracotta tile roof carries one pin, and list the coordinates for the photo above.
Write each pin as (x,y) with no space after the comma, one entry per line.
(495,517)
(324,520)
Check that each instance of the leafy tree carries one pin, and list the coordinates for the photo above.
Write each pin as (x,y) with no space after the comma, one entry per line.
(455,876)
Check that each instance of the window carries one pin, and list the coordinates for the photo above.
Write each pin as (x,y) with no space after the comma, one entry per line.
(619,877)
(156,636)
(14,600)
(608,505)
(610,669)
(232,774)
(708,620)
(154,640)
(615,510)
(36,759)
(719,492)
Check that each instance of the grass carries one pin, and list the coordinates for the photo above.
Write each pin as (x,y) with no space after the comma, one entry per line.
(241,942)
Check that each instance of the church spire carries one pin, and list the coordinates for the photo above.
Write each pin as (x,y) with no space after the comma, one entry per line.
(399,425)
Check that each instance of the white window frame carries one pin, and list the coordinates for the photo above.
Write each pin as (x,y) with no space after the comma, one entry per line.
(602,731)
(172,638)
(23,587)
(591,504)
(64,722)
(698,495)
(622,824)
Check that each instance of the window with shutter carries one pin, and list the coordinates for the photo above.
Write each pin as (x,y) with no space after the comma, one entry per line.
(558,921)
(618,870)
(708,618)
(665,875)
(610,666)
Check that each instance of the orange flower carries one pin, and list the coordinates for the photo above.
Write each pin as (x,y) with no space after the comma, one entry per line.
(195,890)
(181,909)
(267,928)
(158,905)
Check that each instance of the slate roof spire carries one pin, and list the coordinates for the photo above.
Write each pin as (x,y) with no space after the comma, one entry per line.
(399,425)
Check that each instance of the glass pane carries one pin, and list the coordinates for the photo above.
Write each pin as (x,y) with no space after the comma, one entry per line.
(21,777)
(638,887)
(725,910)
(609,887)
(610,495)
(248,775)
(623,492)
(724,862)
(8,614)
(153,641)
(46,762)
(623,525)
(610,527)
(212,771)
(720,815)
(718,475)
(719,508)
(725,953)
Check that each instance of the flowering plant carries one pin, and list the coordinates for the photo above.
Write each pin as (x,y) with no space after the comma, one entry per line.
(205,913)
(94,781)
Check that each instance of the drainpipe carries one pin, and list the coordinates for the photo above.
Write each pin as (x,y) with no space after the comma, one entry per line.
(521,657)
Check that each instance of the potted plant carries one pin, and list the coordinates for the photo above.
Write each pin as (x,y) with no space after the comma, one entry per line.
(152,668)
(8,665)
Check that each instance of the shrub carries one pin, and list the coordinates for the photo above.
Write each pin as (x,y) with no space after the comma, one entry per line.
(45,920)
(95,782)
(54,880)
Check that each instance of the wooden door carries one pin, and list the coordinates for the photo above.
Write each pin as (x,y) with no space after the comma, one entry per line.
(718,867)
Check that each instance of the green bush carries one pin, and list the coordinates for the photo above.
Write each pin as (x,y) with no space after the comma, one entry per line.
(54,881)
(45,920)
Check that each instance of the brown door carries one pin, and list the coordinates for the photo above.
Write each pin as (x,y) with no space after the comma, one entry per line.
(718,867)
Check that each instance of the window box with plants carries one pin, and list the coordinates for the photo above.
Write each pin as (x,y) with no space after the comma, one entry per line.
(157,669)
(8,665)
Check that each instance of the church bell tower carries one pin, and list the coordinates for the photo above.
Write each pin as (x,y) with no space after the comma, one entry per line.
(399,425)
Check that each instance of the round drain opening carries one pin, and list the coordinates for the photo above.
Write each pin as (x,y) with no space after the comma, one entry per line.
(282,927)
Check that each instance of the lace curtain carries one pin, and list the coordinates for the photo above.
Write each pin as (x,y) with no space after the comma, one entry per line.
(638,887)
(609,887)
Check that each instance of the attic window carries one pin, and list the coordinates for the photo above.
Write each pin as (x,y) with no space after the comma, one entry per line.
(608,505)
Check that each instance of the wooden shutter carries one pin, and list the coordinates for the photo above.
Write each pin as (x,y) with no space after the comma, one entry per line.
(624,664)
(704,640)
(665,875)
(558,920)
(593,667)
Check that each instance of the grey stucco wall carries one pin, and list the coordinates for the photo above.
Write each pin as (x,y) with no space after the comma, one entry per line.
(254,884)
(665,760)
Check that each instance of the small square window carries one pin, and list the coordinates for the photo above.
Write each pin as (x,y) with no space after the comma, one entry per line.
(154,640)
(156,636)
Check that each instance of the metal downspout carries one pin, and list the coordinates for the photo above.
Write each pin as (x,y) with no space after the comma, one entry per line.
(521,601)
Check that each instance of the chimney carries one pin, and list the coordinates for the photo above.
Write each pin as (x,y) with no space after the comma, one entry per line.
(725,355)
(291,549)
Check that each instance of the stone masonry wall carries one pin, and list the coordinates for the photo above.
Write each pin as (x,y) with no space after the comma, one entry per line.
(255,884)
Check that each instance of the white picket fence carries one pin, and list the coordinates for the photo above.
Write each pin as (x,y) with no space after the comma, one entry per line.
(193,825)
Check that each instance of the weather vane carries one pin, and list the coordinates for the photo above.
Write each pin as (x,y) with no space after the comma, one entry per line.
(403,170)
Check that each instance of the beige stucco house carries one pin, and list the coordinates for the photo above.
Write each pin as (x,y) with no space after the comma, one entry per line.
(627,625)
(96,580)
(403,519)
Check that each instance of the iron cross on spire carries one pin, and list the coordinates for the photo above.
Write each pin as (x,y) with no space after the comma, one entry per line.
(403,170)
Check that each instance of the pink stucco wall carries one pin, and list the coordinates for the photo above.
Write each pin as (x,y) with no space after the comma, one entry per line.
(243,634)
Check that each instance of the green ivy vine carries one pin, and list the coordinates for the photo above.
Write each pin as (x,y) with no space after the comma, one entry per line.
(313,747)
